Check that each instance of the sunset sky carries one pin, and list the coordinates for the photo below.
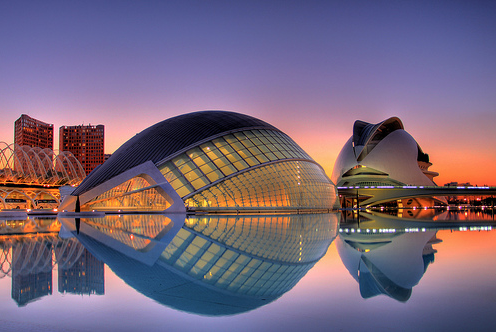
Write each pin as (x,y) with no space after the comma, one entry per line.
(310,68)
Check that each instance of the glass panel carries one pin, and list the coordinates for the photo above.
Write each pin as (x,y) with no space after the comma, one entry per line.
(254,150)
(247,143)
(221,162)
(166,168)
(240,136)
(240,165)
(263,148)
(271,147)
(216,249)
(215,175)
(271,156)
(226,149)
(228,169)
(193,153)
(186,167)
(178,161)
(201,160)
(214,154)
(233,157)
(256,141)
(262,158)
(264,140)
(250,134)
(287,154)
(199,242)
(271,139)
(184,190)
(252,161)
(230,138)
(237,146)
(244,153)
(200,182)
(193,175)
(219,142)
(208,167)
(179,182)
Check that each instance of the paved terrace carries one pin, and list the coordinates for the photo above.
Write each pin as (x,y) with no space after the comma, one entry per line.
(382,194)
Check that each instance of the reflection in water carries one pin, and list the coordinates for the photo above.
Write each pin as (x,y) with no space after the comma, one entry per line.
(27,252)
(79,271)
(388,253)
(211,265)
(31,268)
(451,213)
(387,263)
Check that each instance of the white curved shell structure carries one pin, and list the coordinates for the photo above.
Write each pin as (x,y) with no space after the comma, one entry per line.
(382,154)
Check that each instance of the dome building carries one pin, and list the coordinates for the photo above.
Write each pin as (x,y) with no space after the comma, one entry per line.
(207,161)
(383,154)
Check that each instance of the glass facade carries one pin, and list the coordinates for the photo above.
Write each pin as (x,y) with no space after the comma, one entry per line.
(290,184)
(258,256)
(135,194)
(249,169)
(135,231)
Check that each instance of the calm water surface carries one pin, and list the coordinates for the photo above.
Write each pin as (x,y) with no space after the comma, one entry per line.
(409,271)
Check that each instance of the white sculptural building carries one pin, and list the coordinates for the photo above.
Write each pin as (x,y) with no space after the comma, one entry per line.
(383,154)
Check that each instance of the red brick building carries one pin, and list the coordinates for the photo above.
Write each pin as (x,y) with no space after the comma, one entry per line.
(32,132)
(85,142)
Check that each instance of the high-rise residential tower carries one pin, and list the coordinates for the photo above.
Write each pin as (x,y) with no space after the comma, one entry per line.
(85,142)
(33,132)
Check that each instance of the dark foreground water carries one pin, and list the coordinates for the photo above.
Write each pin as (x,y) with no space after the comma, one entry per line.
(414,270)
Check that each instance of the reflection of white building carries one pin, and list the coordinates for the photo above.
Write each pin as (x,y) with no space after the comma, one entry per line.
(207,161)
(383,154)
(389,264)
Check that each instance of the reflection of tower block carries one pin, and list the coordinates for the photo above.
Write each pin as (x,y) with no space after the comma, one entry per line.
(27,288)
(80,274)
(31,276)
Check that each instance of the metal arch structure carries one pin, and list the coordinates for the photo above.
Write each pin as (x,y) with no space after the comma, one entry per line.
(35,166)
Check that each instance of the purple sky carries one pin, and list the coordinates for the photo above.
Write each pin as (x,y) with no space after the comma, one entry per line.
(311,68)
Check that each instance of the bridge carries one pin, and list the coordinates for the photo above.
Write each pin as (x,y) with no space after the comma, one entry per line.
(382,194)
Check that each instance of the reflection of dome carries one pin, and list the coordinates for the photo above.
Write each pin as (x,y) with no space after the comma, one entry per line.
(390,264)
(382,154)
(210,160)
(214,265)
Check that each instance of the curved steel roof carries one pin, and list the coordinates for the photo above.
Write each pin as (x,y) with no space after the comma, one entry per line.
(364,131)
(169,137)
